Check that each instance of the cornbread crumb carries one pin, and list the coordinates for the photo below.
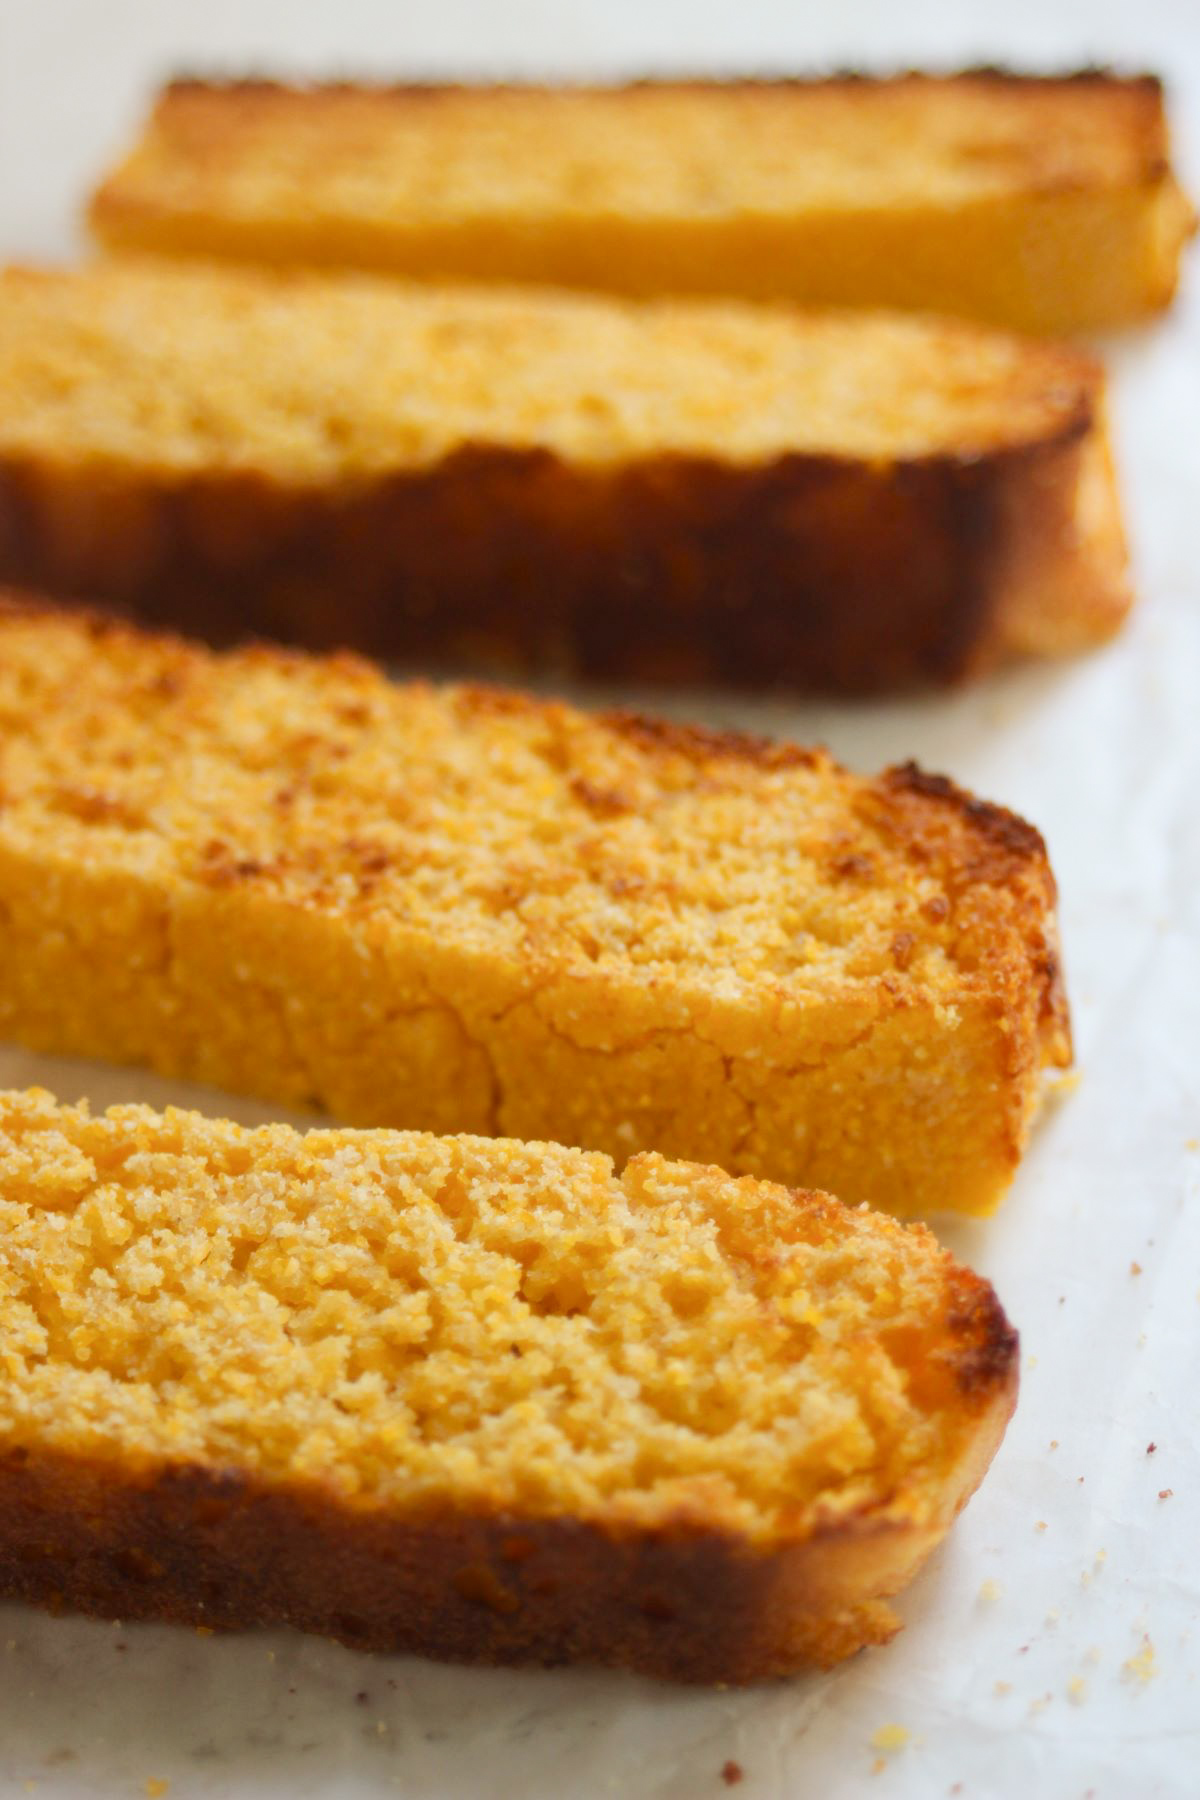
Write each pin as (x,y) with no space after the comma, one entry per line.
(1142,1667)
(990,1591)
(890,1738)
(1077,1690)
(373,1332)
(155,1788)
(286,876)
(1001,1688)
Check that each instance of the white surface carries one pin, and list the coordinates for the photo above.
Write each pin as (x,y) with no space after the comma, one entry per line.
(1105,756)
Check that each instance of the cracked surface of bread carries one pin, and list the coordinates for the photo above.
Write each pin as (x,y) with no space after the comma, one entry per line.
(382,1342)
(463,909)
(509,479)
(1041,203)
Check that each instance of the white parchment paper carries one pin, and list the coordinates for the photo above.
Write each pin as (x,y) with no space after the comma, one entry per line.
(1052,1648)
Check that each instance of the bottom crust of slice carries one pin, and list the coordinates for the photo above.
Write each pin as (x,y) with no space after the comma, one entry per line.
(204,1547)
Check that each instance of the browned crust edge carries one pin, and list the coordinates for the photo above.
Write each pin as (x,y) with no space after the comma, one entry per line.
(1001,849)
(808,573)
(1152,143)
(1091,75)
(188,1544)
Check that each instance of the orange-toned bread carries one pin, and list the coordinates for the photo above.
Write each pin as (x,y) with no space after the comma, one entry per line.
(1048,205)
(476,1399)
(511,480)
(466,910)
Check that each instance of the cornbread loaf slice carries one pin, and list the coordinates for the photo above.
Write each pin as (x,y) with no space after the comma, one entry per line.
(1044,204)
(481,1400)
(554,483)
(468,910)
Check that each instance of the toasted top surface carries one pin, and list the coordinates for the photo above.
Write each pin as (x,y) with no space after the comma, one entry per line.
(655,151)
(500,1326)
(607,849)
(175,369)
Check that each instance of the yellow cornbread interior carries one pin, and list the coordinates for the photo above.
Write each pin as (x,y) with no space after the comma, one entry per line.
(514,829)
(308,379)
(658,151)
(407,1320)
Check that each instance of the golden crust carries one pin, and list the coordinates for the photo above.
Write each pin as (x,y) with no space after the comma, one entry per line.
(1047,204)
(661,493)
(466,910)
(174,1446)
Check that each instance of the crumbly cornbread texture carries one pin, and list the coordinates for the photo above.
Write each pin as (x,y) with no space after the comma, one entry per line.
(1048,205)
(377,1337)
(468,910)
(672,490)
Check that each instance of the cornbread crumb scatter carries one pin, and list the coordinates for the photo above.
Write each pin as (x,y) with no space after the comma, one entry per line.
(466,910)
(401,1327)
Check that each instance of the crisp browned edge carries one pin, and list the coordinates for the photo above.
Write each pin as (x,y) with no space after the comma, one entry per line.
(670,569)
(1011,854)
(1093,75)
(1151,143)
(200,1545)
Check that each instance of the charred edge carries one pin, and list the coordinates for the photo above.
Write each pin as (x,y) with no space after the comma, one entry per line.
(988,1359)
(1048,969)
(1007,829)
(1102,75)
(698,743)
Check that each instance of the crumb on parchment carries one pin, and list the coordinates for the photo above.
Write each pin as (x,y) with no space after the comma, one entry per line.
(890,1738)
(1142,1666)
(989,1591)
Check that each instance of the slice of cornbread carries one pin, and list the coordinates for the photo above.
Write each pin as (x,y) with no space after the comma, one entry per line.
(477,1399)
(467,910)
(513,480)
(1044,204)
